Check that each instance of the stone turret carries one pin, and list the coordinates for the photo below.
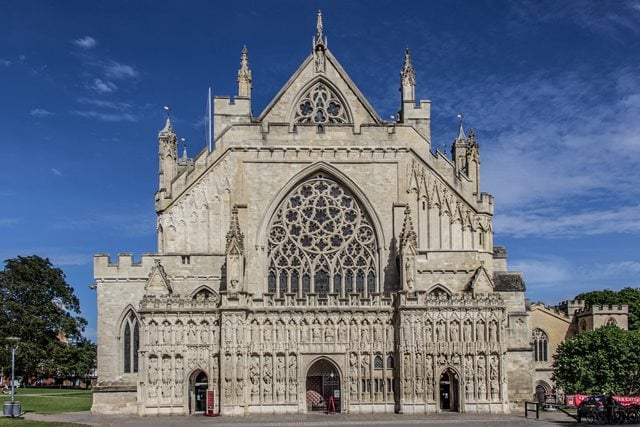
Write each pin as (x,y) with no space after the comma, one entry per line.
(466,156)
(419,116)
(168,154)
(408,80)
(244,75)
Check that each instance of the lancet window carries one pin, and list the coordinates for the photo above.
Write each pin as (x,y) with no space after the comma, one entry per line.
(540,345)
(320,106)
(130,342)
(321,241)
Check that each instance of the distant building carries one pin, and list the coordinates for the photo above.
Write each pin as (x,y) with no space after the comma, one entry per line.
(552,325)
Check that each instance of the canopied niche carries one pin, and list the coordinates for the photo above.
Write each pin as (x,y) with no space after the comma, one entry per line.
(321,241)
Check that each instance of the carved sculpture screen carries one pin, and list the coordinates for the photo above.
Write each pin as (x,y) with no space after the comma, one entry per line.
(321,241)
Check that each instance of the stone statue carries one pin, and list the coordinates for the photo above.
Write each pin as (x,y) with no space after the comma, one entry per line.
(467,331)
(493,332)
(365,366)
(409,273)
(204,334)
(353,333)
(454,333)
(166,334)
(153,370)
(178,334)
(192,333)
(495,390)
(440,331)
(493,368)
(329,336)
(407,366)
(342,333)
(365,333)
(468,386)
(428,331)
(468,367)
(480,331)
(482,390)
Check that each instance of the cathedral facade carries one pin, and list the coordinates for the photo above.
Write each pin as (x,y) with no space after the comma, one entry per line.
(319,258)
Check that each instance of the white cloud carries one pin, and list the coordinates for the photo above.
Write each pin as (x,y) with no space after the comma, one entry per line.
(5,62)
(543,272)
(560,223)
(116,70)
(56,172)
(107,117)
(103,86)
(105,104)
(40,112)
(86,42)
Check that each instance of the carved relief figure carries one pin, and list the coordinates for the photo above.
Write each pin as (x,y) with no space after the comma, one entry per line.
(293,377)
(493,331)
(467,331)
(428,331)
(179,376)
(480,331)
(455,331)
(254,377)
(440,331)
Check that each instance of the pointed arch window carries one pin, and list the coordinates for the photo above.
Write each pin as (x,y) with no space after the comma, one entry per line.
(540,345)
(320,105)
(322,239)
(130,342)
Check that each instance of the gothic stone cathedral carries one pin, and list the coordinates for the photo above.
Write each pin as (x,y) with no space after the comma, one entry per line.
(318,255)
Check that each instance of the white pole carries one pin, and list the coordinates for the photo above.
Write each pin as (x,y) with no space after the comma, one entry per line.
(209,119)
(13,369)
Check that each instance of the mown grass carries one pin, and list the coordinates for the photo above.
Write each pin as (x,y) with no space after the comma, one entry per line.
(18,422)
(51,401)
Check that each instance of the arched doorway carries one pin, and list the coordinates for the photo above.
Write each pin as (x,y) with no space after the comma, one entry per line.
(198,392)
(322,386)
(449,391)
(542,389)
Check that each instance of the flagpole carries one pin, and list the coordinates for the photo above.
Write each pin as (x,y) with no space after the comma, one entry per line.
(209,120)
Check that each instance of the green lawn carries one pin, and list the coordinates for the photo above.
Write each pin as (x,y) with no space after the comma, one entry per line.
(17,422)
(51,400)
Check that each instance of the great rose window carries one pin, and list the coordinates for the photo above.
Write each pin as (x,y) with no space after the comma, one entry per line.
(321,241)
(320,106)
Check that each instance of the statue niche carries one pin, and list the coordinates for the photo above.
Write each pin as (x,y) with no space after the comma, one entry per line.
(235,255)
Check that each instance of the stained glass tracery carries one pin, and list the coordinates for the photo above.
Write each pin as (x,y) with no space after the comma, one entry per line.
(320,106)
(321,241)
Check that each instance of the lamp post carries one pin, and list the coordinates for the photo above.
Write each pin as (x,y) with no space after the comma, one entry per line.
(12,408)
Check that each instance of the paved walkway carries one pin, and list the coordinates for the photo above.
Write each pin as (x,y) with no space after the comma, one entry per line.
(312,420)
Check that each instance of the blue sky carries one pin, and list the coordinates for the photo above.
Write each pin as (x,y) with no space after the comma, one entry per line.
(551,88)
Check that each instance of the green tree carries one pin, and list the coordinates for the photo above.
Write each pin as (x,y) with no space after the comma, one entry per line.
(629,296)
(38,306)
(606,360)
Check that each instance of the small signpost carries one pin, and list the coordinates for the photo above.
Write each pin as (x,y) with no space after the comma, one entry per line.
(210,410)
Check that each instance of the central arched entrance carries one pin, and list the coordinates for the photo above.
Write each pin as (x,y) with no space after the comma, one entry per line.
(323,387)
(449,391)
(198,392)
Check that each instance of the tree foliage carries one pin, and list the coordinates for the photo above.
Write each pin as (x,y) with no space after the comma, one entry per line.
(629,296)
(38,306)
(606,360)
